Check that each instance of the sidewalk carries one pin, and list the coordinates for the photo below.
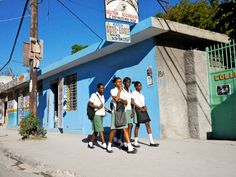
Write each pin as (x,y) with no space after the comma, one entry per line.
(68,155)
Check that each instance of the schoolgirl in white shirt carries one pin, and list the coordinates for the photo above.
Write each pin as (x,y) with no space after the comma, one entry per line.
(138,100)
(118,95)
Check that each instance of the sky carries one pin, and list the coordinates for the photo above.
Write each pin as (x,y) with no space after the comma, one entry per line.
(57,27)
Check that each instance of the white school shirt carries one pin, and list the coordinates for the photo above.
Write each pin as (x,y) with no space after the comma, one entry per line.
(139,99)
(114,92)
(128,97)
(97,102)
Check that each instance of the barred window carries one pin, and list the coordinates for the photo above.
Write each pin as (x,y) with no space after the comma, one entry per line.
(71,92)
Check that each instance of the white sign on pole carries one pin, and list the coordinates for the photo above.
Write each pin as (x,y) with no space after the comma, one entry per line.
(117,32)
(124,10)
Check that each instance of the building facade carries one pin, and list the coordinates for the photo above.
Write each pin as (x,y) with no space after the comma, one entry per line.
(167,57)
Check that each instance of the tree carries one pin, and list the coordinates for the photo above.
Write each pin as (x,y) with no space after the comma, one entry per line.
(225,18)
(215,15)
(75,48)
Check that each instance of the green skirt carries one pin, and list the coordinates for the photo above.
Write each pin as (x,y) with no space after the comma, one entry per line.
(113,124)
(98,123)
(131,120)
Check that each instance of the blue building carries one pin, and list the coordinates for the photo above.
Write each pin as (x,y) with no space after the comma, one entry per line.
(65,86)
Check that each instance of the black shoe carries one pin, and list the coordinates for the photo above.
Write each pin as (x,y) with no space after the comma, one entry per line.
(134,151)
(154,145)
(123,148)
(116,143)
(90,147)
(137,146)
(109,151)
(103,148)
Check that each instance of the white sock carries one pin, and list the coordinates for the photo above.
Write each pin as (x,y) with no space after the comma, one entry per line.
(125,144)
(90,143)
(104,145)
(130,147)
(109,147)
(151,139)
(136,140)
(115,139)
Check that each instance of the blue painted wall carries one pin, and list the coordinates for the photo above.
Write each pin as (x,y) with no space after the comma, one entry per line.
(12,120)
(131,62)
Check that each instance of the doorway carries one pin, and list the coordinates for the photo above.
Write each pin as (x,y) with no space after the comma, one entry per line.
(5,113)
(54,87)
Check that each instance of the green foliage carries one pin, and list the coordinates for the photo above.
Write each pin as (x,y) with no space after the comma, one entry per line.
(215,15)
(199,14)
(225,18)
(30,125)
(75,48)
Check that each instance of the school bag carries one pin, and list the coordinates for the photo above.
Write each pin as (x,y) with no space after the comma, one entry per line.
(91,111)
(120,117)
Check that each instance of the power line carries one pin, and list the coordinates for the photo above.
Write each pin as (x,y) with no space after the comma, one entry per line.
(164,8)
(17,34)
(15,61)
(79,19)
(12,19)
(85,6)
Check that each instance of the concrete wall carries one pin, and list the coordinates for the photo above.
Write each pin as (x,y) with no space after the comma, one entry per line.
(132,62)
(183,93)
(201,75)
(172,93)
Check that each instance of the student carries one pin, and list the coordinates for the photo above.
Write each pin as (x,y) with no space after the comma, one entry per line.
(130,114)
(118,96)
(138,100)
(97,101)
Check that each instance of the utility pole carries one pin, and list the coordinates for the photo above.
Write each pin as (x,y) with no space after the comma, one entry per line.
(33,71)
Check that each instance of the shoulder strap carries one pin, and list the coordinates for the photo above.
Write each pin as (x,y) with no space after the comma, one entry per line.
(99,98)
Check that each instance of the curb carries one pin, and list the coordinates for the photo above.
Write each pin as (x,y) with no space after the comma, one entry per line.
(39,165)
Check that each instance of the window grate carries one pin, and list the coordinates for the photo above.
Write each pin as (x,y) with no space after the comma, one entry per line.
(71,92)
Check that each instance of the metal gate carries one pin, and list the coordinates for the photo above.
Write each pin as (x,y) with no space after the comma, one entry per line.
(222,88)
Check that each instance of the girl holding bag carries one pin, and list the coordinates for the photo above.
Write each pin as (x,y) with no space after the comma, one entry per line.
(138,100)
(118,118)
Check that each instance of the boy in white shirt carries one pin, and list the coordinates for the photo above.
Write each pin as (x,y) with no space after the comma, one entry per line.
(97,102)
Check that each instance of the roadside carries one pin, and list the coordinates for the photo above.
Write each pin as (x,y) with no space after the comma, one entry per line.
(68,155)
(11,167)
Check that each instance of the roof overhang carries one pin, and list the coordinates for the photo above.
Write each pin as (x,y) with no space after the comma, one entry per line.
(144,30)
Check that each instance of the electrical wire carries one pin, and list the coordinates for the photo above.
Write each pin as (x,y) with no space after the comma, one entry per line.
(12,19)
(160,3)
(72,13)
(15,61)
(86,6)
(17,35)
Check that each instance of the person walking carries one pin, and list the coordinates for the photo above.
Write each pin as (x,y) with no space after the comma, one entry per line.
(97,102)
(138,100)
(119,120)
(130,113)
